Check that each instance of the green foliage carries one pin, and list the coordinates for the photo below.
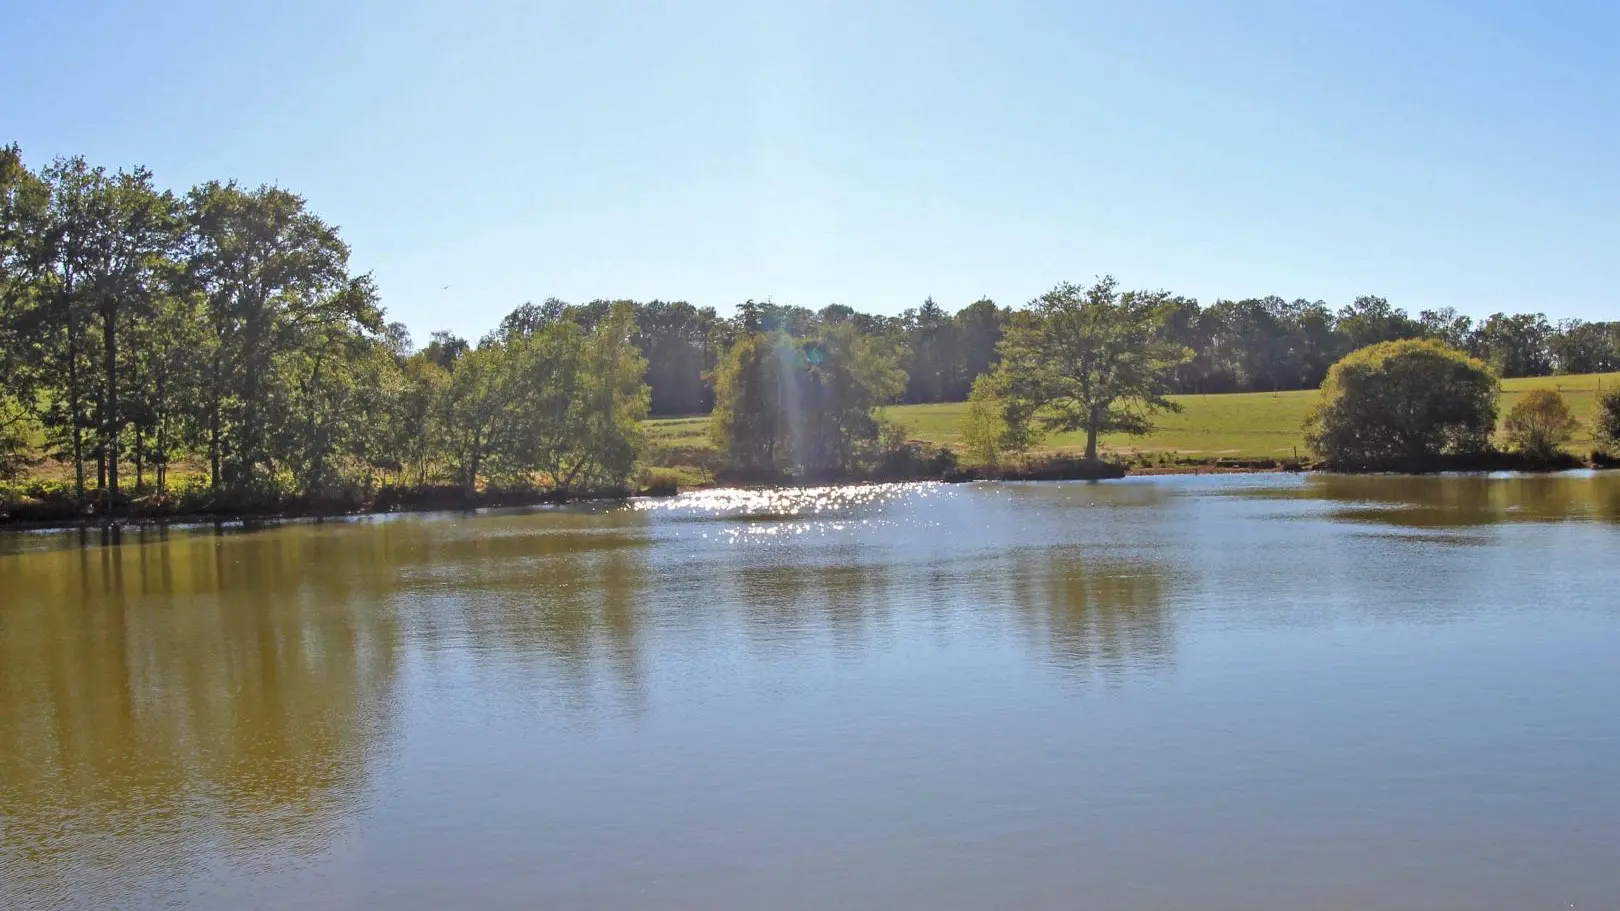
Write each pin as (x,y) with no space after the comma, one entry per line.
(1251,426)
(787,405)
(1517,345)
(1089,359)
(221,333)
(282,310)
(1371,320)
(1580,347)
(545,403)
(1540,424)
(1403,405)
(17,433)
(139,329)
(982,430)
(1606,422)
(998,422)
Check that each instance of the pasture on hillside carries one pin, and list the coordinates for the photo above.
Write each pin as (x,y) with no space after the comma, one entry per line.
(1233,426)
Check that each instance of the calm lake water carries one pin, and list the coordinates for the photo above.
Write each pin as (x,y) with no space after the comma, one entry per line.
(1257,692)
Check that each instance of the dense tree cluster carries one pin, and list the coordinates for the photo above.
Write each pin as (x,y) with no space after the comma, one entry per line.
(141,327)
(801,404)
(1268,344)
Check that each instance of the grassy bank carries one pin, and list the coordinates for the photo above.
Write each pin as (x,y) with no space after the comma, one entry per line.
(1209,427)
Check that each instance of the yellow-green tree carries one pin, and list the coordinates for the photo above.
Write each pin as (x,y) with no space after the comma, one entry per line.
(1540,424)
(1403,405)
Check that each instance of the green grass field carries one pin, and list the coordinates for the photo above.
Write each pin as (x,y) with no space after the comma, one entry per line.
(1242,426)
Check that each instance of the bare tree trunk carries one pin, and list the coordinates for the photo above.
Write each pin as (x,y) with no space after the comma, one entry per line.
(1092,425)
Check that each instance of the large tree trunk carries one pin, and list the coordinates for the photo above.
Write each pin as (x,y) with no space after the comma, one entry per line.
(110,429)
(213,444)
(318,461)
(140,461)
(75,405)
(1093,422)
(472,463)
(162,455)
(216,395)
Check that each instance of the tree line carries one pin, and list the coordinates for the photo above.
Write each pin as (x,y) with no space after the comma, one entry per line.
(222,327)
(1263,344)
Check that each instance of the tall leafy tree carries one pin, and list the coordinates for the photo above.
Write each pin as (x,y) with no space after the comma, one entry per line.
(749,424)
(674,337)
(931,338)
(271,272)
(168,380)
(1517,345)
(1090,359)
(132,229)
(1447,325)
(22,203)
(978,330)
(613,397)
(472,409)
(1369,320)
(804,405)
(1582,347)
(60,244)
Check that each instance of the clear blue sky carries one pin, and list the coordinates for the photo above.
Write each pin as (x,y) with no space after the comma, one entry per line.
(873,153)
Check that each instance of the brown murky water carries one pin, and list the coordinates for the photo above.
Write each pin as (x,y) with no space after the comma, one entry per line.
(1259,692)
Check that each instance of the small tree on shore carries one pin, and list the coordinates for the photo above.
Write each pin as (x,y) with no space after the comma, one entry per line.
(1403,405)
(1540,424)
(998,422)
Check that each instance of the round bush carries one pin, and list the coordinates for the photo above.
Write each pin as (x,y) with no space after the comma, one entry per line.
(1403,406)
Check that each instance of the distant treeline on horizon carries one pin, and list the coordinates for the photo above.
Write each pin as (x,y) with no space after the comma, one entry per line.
(1263,344)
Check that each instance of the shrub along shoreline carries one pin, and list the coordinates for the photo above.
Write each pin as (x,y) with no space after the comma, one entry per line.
(31,513)
(45,515)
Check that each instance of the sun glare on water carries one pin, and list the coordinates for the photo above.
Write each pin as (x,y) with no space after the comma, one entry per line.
(786,512)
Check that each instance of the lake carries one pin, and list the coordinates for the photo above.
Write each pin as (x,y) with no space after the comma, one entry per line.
(1235,692)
